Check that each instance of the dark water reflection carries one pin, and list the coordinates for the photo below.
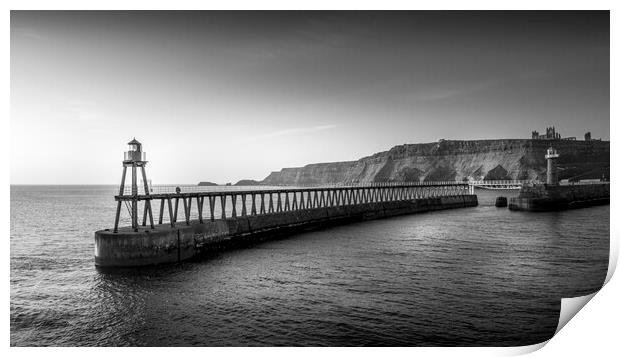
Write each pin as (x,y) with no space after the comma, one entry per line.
(477,276)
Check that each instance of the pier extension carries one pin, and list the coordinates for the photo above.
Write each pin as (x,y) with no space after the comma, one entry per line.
(551,196)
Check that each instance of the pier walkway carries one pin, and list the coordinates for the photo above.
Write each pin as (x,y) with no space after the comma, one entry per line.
(231,202)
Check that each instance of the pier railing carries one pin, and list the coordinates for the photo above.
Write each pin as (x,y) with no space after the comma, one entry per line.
(158,189)
(501,182)
(236,201)
(519,183)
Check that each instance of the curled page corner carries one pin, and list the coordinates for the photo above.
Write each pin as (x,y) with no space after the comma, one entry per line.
(521,350)
(570,307)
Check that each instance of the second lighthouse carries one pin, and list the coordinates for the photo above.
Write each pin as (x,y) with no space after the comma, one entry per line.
(552,173)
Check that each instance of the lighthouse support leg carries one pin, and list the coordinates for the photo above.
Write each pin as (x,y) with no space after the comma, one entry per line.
(122,188)
(120,193)
(118,213)
(148,202)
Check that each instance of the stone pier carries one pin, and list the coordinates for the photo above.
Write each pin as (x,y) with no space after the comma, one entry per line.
(170,243)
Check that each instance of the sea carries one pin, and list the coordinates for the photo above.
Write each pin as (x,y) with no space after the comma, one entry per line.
(481,276)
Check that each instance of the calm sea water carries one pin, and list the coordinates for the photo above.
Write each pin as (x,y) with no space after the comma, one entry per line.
(481,276)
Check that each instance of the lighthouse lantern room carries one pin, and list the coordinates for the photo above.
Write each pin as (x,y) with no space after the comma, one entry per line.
(135,153)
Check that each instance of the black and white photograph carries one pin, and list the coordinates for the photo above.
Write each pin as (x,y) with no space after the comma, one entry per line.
(306,178)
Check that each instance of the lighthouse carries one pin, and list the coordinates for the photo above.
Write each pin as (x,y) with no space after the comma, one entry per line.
(134,158)
(552,174)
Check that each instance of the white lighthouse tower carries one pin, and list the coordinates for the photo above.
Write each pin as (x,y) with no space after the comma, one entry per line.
(552,174)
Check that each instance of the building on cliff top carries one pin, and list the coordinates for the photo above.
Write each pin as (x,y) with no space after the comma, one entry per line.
(552,134)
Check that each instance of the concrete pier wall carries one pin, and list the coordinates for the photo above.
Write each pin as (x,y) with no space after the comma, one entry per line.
(166,244)
(555,197)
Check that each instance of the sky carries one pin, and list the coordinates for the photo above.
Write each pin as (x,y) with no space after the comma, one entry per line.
(223,96)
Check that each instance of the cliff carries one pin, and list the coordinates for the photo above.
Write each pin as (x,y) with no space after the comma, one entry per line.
(459,160)
(247,183)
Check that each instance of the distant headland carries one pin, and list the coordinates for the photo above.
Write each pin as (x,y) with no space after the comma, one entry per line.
(459,160)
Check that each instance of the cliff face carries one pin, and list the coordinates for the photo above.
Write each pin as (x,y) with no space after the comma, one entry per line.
(505,159)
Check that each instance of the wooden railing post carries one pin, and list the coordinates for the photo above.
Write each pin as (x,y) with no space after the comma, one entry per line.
(287,206)
(200,203)
(233,198)
(186,210)
(176,208)
(170,212)
(223,204)
(212,207)
(161,211)
(262,203)
(270,202)
(279,204)
(243,203)
(294,205)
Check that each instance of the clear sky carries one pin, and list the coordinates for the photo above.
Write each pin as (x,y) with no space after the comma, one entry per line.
(223,96)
